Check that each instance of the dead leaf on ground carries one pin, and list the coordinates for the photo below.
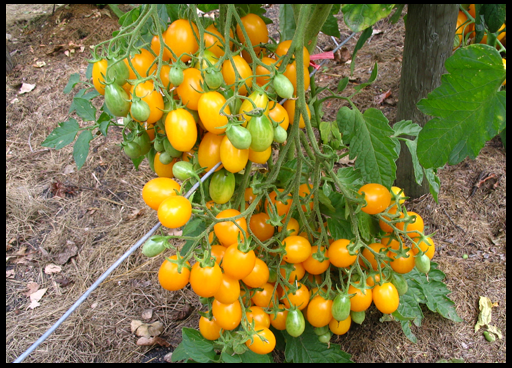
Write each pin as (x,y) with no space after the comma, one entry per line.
(136,213)
(36,297)
(147,314)
(380,98)
(63,281)
(26,87)
(32,288)
(70,250)
(140,328)
(52,268)
(145,341)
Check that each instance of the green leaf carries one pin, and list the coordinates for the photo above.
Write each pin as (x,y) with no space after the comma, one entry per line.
(350,177)
(503,136)
(418,170)
(467,106)
(81,148)
(360,16)
(104,122)
(366,225)
(207,7)
(308,349)
(251,357)
(330,134)
(63,135)
(372,78)
(330,27)
(193,228)
(434,182)
(73,80)
(494,15)
(84,109)
(137,161)
(288,171)
(406,127)
(369,138)
(173,11)
(130,17)
(193,346)
(287,24)
(342,84)
(360,43)
(397,14)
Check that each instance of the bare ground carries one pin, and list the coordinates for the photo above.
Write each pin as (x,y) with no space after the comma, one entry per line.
(83,221)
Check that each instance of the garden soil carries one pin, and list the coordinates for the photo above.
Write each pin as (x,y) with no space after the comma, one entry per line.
(65,227)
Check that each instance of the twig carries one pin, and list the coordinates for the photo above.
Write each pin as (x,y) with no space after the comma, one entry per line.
(453,223)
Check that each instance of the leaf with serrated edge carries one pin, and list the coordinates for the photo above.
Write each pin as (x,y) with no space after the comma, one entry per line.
(194,346)
(63,135)
(360,16)
(308,349)
(467,106)
(369,137)
(81,148)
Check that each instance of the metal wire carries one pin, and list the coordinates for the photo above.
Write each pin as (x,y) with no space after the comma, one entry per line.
(105,275)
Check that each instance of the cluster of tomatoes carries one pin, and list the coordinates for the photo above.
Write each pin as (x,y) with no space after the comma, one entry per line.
(210,111)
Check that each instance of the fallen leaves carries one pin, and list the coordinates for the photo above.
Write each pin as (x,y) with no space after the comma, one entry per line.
(35,294)
(70,250)
(26,87)
(484,318)
(148,333)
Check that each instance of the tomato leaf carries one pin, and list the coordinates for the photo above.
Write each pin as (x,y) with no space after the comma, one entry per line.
(468,108)
(81,148)
(360,43)
(422,290)
(360,16)
(194,346)
(308,349)
(433,181)
(372,78)
(366,225)
(287,24)
(330,134)
(73,80)
(330,26)
(251,357)
(104,123)
(193,228)
(494,15)
(369,138)
(63,135)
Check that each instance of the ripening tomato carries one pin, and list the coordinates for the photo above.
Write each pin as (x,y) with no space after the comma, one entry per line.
(155,46)
(181,129)
(190,89)
(99,71)
(282,207)
(205,281)
(279,114)
(426,246)
(209,329)
(208,153)
(377,197)
(227,316)
(386,298)
(258,276)
(298,249)
(282,49)
(264,298)
(162,170)
(143,63)
(289,106)
(370,257)
(164,76)
(339,255)
(259,100)
(256,30)
(229,289)
(158,189)
(244,71)
(260,157)
(299,299)
(340,327)
(414,229)
(263,342)
(258,315)
(181,36)
(217,251)
(298,271)
(319,311)
(313,266)
(174,211)
(232,158)
(169,277)
(402,264)
(361,301)
(210,112)
(146,91)
(278,321)
(291,73)
(236,263)
(260,227)
(262,73)
(304,190)
(226,231)
(215,43)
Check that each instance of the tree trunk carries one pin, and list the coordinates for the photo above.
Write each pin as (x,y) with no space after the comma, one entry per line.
(9,64)
(429,34)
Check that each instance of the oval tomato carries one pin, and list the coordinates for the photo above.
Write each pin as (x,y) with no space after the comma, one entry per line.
(262,73)
(339,255)
(174,211)
(208,153)
(227,316)
(289,106)
(99,71)
(244,71)
(232,158)
(146,91)
(205,281)
(229,290)
(161,169)
(416,227)
(262,133)
(386,298)
(236,263)
(214,43)
(181,129)
(278,321)
(256,100)
(313,266)
(190,90)
(209,329)
(279,114)
(362,299)
(239,137)
(156,44)
(298,249)
(295,323)
(340,327)
(282,207)
(117,100)
(143,63)
(260,157)
(264,298)
(426,246)
(299,299)
(341,307)
(222,186)
(319,311)
(258,315)
(210,112)
(226,231)
(263,342)
(256,30)
(260,227)
(258,276)
(282,49)
(377,197)
(181,37)
(158,189)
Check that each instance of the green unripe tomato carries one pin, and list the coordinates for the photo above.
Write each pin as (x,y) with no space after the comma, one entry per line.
(176,75)
(183,170)
(283,86)
(152,247)
(239,137)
